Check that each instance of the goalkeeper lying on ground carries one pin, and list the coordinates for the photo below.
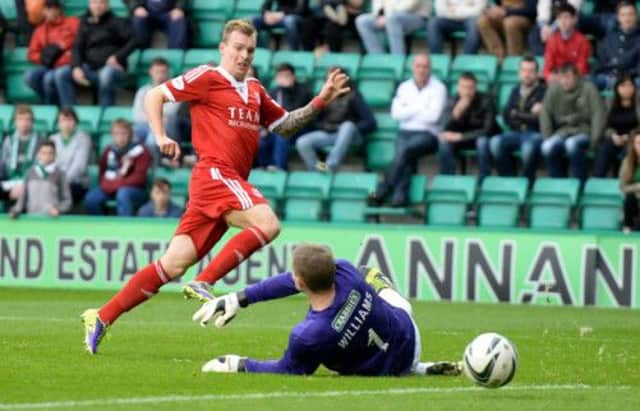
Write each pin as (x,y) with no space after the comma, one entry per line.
(357,323)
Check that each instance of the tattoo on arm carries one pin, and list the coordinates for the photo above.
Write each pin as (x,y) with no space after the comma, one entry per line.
(295,121)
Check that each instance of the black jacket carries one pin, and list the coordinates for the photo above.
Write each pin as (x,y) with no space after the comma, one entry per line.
(478,120)
(521,118)
(350,107)
(97,40)
(291,98)
(169,4)
(299,7)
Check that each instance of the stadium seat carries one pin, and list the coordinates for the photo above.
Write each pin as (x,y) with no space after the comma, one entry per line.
(381,67)
(304,210)
(197,57)
(270,183)
(104,140)
(380,154)
(416,198)
(509,70)
(220,10)
(387,128)
(262,62)
(247,8)
(119,8)
(89,118)
(308,184)
(111,113)
(302,61)
(483,66)
(447,199)
(353,185)
(378,94)
(6,119)
(8,9)
(504,92)
(499,201)
(600,204)
(348,211)
(440,66)
(350,62)
(551,202)
(173,56)
(16,64)
(208,32)
(45,118)
(93,171)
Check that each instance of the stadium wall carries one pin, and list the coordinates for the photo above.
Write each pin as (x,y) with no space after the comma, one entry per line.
(463,264)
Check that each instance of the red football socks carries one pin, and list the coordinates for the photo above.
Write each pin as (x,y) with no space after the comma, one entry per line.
(241,246)
(143,285)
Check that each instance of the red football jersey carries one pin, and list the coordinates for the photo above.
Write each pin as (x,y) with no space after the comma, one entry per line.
(226,115)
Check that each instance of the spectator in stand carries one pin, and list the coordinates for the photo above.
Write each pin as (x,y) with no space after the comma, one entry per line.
(418,106)
(160,204)
(396,19)
(73,151)
(342,124)
(546,23)
(103,43)
(623,116)
(630,183)
(46,190)
(601,20)
(521,114)
(122,175)
(471,123)
(50,48)
(511,19)
(168,15)
(452,16)
(566,45)
(571,120)
(158,73)
(619,51)
(29,13)
(288,14)
(273,151)
(339,18)
(18,153)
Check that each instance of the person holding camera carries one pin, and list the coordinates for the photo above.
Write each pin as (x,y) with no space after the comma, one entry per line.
(50,48)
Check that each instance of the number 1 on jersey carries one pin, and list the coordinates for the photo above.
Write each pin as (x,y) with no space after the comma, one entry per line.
(374,338)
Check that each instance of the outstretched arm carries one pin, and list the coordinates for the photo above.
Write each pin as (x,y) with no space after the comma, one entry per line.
(335,86)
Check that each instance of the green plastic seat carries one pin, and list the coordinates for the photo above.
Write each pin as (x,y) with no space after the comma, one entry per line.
(88,118)
(6,119)
(551,202)
(208,32)
(380,154)
(499,201)
(174,57)
(247,8)
(302,61)
(416,198)
(93,171)
(448,198)
(509,70)
(17,90)
(353,185)
(308,184)
(111,113)
(197,57)
(302,209)
(440,66)
(382,67)
(600,204)
(378,94)
(387,127)
(262,62)
(271,184)
(104,140)
(483,66)
(350,62)
(221,10)
(348,211)
(8,9)
(44,118)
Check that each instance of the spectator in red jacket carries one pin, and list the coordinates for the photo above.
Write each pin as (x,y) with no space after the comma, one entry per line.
(50,48)
(566,45)
(123,173)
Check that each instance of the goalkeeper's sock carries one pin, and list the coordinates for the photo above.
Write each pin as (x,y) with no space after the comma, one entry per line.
(143,285)
(241,246)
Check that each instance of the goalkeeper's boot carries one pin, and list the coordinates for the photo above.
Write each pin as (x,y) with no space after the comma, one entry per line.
(94,330)
(197,290)
(377,279)
(444,368)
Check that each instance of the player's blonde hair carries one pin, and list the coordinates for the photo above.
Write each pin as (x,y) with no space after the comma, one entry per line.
(314,263)
(243,26)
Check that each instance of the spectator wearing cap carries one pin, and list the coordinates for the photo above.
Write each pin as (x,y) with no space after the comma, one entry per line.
(50,49)
(168,15)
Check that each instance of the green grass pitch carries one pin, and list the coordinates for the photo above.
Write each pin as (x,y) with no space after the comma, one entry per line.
(152,359)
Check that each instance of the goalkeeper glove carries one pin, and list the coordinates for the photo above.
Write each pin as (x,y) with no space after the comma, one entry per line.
(222,309)
(226,363)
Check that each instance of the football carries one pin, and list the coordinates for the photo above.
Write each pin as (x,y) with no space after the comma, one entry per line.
(490,360)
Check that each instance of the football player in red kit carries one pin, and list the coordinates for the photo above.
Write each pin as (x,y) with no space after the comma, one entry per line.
(227,110)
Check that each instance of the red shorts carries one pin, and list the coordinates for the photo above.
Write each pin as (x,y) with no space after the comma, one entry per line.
(213,192)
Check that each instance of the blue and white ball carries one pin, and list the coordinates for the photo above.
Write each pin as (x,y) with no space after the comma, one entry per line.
(490,360)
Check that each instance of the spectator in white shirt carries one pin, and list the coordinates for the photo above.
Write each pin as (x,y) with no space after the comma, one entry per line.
(453,16)
(418,106)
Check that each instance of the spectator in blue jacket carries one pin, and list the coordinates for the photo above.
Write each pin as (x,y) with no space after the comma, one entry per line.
(521,115)
(160,204)
(342,124)
(619,51)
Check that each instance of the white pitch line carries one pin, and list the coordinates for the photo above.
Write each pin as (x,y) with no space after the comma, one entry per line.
(291,394)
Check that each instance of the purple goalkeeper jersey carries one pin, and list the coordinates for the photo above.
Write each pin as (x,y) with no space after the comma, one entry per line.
(359,333)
